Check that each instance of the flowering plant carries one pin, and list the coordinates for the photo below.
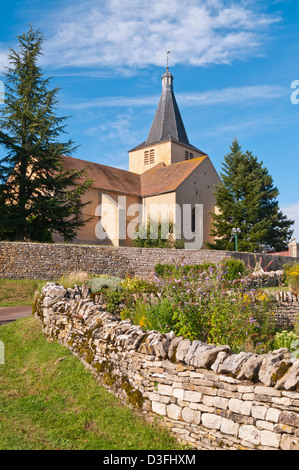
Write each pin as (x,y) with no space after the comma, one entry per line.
(207,306)
(292,277)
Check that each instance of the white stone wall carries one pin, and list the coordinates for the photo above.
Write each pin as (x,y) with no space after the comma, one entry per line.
(203,393)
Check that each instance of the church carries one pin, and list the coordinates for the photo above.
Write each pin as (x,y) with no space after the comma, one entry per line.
(165,172)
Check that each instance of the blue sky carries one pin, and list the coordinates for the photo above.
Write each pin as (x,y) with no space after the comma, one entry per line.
(233,64)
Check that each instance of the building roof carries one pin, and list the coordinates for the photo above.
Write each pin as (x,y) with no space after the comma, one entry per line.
(167,178)
(104,177)
(158,180)
(168,123)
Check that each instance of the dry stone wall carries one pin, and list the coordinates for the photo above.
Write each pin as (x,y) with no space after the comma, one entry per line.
(208,396)
(51,261)
(287,309)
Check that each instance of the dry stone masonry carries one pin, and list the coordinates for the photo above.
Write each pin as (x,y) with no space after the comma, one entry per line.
(207,395)
(51,261)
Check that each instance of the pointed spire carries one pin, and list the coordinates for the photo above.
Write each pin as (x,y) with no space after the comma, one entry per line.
(167,123)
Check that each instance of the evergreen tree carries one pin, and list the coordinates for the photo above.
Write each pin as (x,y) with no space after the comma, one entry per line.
(247,199)
(37,197)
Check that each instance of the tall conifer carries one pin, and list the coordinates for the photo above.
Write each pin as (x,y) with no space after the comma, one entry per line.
(37,197)
(247,199)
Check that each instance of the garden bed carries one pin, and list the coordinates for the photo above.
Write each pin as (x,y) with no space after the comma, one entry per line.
(213,303)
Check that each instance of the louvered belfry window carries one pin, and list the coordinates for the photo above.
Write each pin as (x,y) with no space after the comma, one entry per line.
(149,156)
(152,156)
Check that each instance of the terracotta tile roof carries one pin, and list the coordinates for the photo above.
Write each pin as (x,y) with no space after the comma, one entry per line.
(106,177)
(157,180)
(166,178)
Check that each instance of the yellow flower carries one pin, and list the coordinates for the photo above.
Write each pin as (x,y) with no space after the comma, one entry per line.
(142,321)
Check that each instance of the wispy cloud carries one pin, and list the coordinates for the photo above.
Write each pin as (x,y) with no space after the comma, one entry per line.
(212,97)
(292,211)
(135,33)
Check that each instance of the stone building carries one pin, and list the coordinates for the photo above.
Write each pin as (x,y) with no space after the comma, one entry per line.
(166,174)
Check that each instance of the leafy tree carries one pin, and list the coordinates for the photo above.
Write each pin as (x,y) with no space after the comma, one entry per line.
(247,199)
(37,196)
(157,235)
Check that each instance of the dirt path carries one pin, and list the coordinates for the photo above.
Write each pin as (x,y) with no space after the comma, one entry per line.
(8,314)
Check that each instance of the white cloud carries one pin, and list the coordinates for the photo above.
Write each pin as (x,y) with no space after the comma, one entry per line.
(292,212)
(3,58)
(136,33)
(212,97)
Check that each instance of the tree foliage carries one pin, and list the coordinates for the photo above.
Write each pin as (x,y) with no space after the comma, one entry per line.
(247,199)
(37,196)
(157,235)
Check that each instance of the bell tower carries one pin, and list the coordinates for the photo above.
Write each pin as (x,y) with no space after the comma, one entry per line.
(167,141)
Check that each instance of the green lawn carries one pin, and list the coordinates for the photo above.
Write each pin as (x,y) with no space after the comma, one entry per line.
(47,404)
(18,292)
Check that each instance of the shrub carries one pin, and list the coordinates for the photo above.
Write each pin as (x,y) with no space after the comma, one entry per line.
(74,278)
(154,235)
(205,305)
(289,340)
(159,316)
(292,278)
(98,284)
(235,268)
(137,285)
(113,299)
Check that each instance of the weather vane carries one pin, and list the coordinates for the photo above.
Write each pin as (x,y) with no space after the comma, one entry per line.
(167,52)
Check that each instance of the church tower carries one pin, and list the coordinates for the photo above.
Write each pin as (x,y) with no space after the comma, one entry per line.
(167,141)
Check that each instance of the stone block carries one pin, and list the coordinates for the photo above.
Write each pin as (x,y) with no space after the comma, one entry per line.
(250,433)
(174,411)
(192,396)
(173,347)
(233,363)
(210,420)
(290,418)
(216,366)
(240,406)
(273,415)
(165,389)
(228,426)
(179,393)
(206,355)
(182,350)
(290,381)
(268,391)
(159,408)
(289,442)
(273,368)
(191,416)
(259,412)
(250,368)
(270,439)
(215,401)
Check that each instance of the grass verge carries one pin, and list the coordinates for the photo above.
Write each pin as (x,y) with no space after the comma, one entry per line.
(52,404)
(18,292)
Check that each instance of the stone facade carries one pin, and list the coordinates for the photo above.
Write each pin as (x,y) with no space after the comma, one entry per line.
(207,396)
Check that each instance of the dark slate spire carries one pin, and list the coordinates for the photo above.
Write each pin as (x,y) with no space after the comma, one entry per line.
(168,123)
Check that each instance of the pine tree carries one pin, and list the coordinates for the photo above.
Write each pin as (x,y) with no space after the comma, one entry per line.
(37,197)
(247,199)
